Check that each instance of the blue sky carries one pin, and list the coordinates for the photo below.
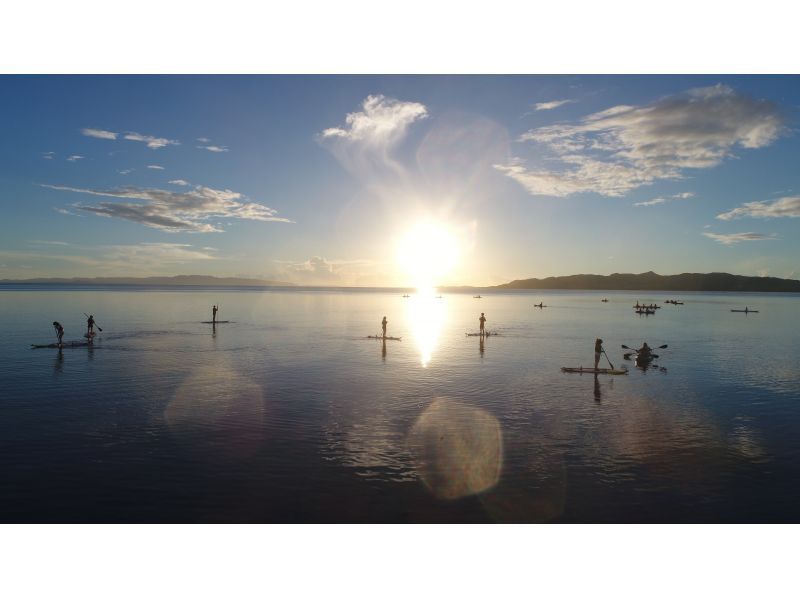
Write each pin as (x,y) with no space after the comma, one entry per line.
(317,180)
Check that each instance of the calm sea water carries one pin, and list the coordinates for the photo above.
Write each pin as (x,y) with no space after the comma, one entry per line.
(289,414)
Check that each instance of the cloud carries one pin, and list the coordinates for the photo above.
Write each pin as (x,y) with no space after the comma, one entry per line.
(733,238)
(173,211)
(624,147)
(320,271)
(152,142)
(67,212)
(785,207)
(99,134)
(74,158)
(49,242)
(126,171)
(203,140)
(214,148)
(366,140)
(551,105)
(179,182)
(155,167)
(48,155)
(660,200)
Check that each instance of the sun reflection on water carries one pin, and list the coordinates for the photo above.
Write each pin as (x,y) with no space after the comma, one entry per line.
(426,318)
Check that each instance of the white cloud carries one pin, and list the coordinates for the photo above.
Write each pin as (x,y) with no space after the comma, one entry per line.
(99,134)
(179,182)
(203,140)
(174,211)
(155,167)
(660,200)
(320,271)
(214,148)
(625,147)
(126,171)
(74,158)
(785,207)
(733,238)
(49,242)
(48,155)
(152,142)
(383,121)
(364,144)
(551,105)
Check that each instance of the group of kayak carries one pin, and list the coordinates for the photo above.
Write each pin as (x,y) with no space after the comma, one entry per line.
(643,357)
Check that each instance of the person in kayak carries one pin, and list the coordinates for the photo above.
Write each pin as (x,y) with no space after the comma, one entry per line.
(59,331)
(644,352)
(90,326)
(384,322)
(598,350)
(214,310)
(482,321)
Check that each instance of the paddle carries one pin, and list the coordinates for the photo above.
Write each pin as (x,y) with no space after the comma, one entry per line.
(98,327)
(609,361)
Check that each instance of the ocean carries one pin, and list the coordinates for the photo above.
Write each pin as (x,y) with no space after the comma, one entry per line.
(288,413)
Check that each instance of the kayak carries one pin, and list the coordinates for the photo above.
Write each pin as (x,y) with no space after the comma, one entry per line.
(484,334)
(540,305)
(583,370)
(386,338)
(66,345)
(217,322)
(746,311)
(646,312)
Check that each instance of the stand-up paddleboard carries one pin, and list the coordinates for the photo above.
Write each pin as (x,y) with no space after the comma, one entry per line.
(218,322)
(92,335)
(65,345)
(583,370)
(483,334)
(746,311)
(386,338)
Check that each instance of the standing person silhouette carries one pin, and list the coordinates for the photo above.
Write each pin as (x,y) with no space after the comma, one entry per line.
(90,327)
(598,350)
(214,310)
(383,325)
(59,332)
(482,320)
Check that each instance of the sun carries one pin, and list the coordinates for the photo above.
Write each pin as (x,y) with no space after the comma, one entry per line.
(427,253)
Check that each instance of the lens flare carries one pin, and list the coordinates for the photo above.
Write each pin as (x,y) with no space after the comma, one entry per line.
(426,253)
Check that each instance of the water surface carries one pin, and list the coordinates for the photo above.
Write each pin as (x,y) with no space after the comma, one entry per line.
(289,414)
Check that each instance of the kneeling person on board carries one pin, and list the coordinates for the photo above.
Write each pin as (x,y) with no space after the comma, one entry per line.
(59,331)
(383,325)
(598,350)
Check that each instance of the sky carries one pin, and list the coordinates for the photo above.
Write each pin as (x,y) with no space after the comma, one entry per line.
(389,180)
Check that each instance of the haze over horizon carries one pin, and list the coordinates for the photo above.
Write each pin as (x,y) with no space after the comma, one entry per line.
(398,180)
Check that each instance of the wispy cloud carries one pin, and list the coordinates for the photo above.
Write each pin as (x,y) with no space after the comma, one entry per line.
(155,167)
(175,211)
(367,138)
(622,148)
(217,149)
(151,141)
(38,242)
(99,134)
(179,182)
(74,158)
(48,155)
(785,207)
(551,105)
(203,140)
(321,271)
(733,238)
(660,200)
(126,171)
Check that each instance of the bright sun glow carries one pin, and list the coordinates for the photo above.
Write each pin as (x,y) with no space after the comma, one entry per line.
(427,253)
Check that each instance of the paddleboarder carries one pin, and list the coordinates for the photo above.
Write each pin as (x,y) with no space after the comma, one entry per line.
(598,350)
(59,331)
(383,325)
(90,327)
(482,320)
(214,310)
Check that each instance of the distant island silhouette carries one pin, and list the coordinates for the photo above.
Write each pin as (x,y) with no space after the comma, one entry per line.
(650,281)
(647,281)
(181,280)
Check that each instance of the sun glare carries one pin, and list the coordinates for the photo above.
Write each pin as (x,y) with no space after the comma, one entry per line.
(427,253)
